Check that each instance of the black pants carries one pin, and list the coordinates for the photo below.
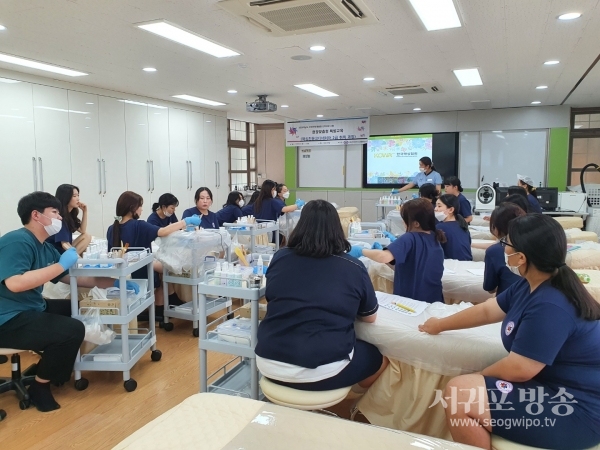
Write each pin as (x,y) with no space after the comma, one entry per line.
(52,332)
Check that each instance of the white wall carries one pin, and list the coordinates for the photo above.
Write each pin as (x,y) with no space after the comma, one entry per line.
(105,142)
(270,149)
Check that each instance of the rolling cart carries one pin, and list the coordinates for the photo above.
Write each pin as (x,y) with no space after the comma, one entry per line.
(126,349)
(255,229)
(242,378)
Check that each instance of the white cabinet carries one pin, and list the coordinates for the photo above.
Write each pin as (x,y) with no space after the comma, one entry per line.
(195,131)
(139,170)
(222,158)
(17,150)
(211,174)
(158,151)
(179,161)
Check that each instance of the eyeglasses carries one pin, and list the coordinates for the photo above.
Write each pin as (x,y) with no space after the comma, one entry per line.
(504,243)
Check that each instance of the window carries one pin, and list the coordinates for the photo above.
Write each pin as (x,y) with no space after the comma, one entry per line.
(584,144)
(242,155)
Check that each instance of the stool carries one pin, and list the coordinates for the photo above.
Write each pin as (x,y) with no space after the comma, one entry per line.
(499,443)
(18,381)
(304,400)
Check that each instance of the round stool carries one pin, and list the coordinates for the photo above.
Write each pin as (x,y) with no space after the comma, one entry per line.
(499,443)
(305,400)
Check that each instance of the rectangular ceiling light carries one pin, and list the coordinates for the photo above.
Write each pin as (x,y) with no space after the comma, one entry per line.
(40,66)
(188,38)
(313,89)
(468,77)
(191,98)
(436,14)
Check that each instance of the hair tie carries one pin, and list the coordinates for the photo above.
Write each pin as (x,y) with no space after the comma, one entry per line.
(560,265)
(118,218)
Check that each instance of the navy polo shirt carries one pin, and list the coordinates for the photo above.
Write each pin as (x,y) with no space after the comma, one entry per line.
(270,209)
(458,245)
(497,275)
(229,214)
(155,219)
(312,304)
(64,235)
(248,210)
(207,221)
(419,266)
(535,205)
(432,177)
(544,326)
(464,208)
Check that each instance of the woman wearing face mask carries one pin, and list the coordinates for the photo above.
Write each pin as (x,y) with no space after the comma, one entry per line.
(68,196)
(232,210)
(163,212)
(427,174)
(458,238)
(268,206)
(417,255)
(283,193)
(497,276)
(204,200)
(452,185)
(551,329)
(127,229)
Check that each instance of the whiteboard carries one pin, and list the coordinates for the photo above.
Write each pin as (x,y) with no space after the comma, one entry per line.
(354,160)
(469,158)
(508,153)
(321,166)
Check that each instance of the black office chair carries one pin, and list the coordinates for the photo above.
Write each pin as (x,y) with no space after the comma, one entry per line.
(18,381)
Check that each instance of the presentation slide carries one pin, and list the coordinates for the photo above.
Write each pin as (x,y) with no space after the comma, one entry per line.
(395,159)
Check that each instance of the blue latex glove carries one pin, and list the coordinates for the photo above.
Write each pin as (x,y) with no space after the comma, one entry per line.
(376,246)
(415,196)
(356,251)
(389,235)
(130,286)
(395,191)
(68,258)
(192,220)
(300,203)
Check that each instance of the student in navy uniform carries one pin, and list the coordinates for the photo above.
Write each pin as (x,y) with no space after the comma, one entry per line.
(430,192)
(232,210)
(27,321)
(127,229)
(427,174)
(248,210)
(458,238)
(315,292)
(267,206)
(204,200)
(551,329)
(453,186)
(417,255)
(527,183)
(283,193)
(163,211)
(519,200)
(497,276)
(68,196)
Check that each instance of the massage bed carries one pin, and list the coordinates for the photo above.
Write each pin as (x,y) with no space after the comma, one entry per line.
(216,421)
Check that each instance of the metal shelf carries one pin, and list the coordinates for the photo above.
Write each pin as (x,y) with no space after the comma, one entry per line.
(236,382)
(137,345)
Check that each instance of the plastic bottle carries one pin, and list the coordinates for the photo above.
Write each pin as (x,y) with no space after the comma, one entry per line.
(216,281)
(238,277)
(259,265)
(224,269)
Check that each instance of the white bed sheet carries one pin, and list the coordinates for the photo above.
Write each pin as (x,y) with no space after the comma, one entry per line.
(452,353)
(460,285)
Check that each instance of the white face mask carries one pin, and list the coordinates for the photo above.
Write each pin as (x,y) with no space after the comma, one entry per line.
(54,227)
(241,203)
(513,269)
(441,216)
(167,213)
(421,169)
(274,194)
(286,195)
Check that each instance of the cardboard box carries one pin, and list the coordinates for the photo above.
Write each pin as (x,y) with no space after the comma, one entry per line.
(109,307)
(246,312)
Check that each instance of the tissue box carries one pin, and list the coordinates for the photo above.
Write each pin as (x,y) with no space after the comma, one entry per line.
(246,312)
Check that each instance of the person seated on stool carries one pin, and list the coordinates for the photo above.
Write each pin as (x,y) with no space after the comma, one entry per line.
(163,211)
(454,226)
(551,329)
(68,196)
(315,292)
(27,321)
(232,210)
(527,183)
(452,185)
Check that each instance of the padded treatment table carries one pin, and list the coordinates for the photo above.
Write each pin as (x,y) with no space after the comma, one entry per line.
(481,232)
(420,364)
(584,255)
(575,235)
(569,222)
(216,421)
(593,286)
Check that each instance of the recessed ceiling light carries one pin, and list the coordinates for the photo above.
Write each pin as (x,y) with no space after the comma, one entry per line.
(232,91)
(204,101)
(368,79)
(208,121)
(2,28)
(319,115)
(317,48)
(542,87)
(569,16)
(416,109)
(551,62)
(40,66)
(89,103)
(496,131)
(314,89)
(537,102)
(285,106)
(185,37)
(468,77)
(398,96)
(436,14)
(149,69)
(8,80)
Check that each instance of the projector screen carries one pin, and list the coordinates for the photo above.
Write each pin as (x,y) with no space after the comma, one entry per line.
(394,160)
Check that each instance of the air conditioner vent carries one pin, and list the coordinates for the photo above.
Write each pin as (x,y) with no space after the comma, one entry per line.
(411,89)
(303,17)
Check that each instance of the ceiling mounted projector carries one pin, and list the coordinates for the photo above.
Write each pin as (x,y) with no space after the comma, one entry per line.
(485,198)
(261,105)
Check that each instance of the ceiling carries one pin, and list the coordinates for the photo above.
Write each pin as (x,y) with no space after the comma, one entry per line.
(507,40)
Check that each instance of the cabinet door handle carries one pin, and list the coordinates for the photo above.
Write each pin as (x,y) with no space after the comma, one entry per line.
(216,174)
(219,172)
(148,174)
(99,177)
(104,176)
(35,179)
(41,174)
(152,165)
(191,176)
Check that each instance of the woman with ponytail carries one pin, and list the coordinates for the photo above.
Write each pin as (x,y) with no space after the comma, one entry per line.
(417,255)
(551,329)
(454,226)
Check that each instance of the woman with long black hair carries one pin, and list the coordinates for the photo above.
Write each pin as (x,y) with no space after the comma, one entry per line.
(68,196)
(454,226)
(232,209)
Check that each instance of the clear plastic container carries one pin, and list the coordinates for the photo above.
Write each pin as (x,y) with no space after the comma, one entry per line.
(235,330)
